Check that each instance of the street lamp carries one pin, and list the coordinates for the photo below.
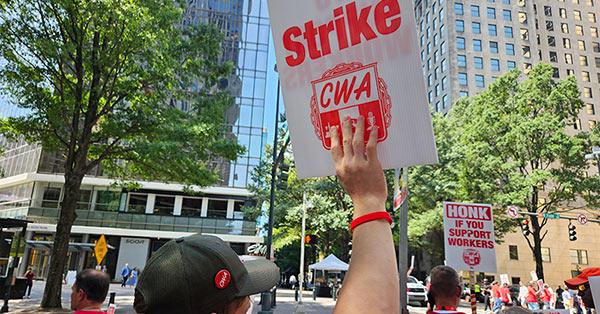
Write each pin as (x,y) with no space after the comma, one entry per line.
(595,155)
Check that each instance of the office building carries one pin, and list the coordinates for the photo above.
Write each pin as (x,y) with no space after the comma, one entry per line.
(137,222)
(467,44)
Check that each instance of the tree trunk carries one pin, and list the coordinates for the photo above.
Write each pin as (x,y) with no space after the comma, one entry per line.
(60,249)
(537,247)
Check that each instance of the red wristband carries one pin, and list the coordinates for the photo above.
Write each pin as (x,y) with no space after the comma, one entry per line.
(370,217)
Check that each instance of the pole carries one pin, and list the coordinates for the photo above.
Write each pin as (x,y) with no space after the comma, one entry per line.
(302,244)
(266,296)
(473,297)
(402,241)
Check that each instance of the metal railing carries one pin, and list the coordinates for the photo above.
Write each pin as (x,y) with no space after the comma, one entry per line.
(141,221)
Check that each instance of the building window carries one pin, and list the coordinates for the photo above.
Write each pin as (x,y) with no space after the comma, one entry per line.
(491,13)
(463,93)
(495,64)
(592,124)
(492,30)
(459,9)
(587,92)
(590,109)
(564,27)
(478,61)
(164,205)
(217,209)
(475,10)
(551,41)
(507,15)
(137,203)
(460,43)
(583,61)
(51,197)
(550,26)
(546,255)
(476,27)
(462,79)
(508,32)
(462,61)
(513,252)
(579,257)
(567,43)
(510,49)
(585,76)
(191,207)
(511,65)
(568,58)
(553,56)
(477,45)
(460,26)
(493,47)
(479,81)
(108,201)
(547,11)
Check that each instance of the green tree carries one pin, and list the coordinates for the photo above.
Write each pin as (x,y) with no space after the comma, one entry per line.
(516,149)
(98,80)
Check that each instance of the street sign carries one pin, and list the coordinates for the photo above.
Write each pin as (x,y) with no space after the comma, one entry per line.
(513,212)
(551,216)
(582,219)
(469,237)
(349,58)
(100,249)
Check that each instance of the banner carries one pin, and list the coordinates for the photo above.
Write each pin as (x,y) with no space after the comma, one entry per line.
(344,58)
(470,242)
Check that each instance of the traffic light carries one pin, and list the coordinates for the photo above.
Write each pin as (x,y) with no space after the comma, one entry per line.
(525,227)
(572,232)
(310,239)
(284,173)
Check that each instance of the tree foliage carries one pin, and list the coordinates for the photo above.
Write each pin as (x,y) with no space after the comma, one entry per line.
(513,144)
(99,79)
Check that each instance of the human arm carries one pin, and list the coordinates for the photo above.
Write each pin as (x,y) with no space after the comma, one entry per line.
(372,282)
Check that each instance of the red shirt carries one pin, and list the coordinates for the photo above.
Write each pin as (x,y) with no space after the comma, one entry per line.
(531,295)
(547,296)
(29,275)
(504,293)
(496,291)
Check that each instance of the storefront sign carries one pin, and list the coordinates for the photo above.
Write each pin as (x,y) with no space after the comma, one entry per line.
(469,236)
(352,58)
(133,251)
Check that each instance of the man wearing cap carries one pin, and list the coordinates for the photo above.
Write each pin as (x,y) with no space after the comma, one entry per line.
(201,274)
(581,284)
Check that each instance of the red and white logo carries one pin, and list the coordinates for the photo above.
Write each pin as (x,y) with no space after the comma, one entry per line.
(350,89)
(222,279)
(471,257)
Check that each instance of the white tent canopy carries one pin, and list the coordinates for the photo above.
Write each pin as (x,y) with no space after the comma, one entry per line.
(330,263)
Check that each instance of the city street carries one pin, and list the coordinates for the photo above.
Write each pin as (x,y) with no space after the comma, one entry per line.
(124,301)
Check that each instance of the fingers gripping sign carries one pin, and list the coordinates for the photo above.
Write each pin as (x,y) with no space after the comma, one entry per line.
(358,167)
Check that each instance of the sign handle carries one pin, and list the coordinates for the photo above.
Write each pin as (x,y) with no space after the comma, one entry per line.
(473,296)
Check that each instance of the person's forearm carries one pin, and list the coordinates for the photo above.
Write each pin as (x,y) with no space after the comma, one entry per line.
(378,291)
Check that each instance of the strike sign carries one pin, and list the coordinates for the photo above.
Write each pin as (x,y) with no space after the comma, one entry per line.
(340,59)
(469,237)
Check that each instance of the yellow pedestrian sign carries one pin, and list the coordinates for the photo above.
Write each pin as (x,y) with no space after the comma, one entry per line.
(100,249)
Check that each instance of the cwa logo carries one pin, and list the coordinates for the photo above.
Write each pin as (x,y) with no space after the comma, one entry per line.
(354,90)
(471,257)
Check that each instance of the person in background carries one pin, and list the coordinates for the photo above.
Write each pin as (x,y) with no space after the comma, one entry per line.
(125,273)
(559,299)
(89,292)
(505,297)
(523,294)
(487,295)
(546,295)
(532,297)
(567,299)
(477,292)
(496,295)
(293,281)
(29,275)
(133,278)
(445,290)
(104,269)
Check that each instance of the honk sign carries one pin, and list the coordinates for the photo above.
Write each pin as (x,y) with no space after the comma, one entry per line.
(340,59)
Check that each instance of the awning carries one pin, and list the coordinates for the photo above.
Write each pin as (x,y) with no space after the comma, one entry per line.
(330,263)
(73,247)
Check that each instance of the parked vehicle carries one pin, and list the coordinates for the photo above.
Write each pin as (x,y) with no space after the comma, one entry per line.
(417,292)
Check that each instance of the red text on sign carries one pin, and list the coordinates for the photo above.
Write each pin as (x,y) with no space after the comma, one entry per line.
(473,212)
(350,27)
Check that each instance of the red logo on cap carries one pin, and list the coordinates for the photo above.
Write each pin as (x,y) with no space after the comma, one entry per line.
(222,279)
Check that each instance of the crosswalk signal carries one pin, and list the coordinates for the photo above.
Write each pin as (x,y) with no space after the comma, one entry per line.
(284,174)
(525,227)
(572,232)
(310,239)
